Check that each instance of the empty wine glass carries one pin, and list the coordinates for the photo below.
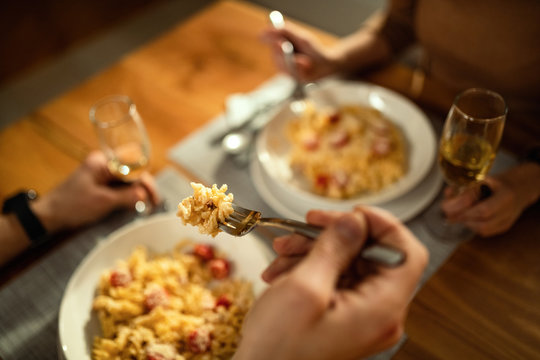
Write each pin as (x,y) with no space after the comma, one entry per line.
(468,145)
(123,139)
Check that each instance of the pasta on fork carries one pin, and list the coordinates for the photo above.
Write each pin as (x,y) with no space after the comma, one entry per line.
(206,208)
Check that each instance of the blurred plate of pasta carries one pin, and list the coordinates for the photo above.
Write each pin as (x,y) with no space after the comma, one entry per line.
(405,207)
(354,143)
(159,235)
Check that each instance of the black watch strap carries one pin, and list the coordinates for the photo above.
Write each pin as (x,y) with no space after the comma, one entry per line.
(19,205)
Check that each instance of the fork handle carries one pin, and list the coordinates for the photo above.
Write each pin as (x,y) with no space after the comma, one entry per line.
(378,253)
(294,226)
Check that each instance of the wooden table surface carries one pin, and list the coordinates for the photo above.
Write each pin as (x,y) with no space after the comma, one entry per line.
(483,303)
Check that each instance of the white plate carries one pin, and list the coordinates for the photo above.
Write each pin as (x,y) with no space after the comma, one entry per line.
(273,147)
(77,324)
(404,208)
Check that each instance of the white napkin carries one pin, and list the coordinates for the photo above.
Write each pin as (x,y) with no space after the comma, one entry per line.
(243,107)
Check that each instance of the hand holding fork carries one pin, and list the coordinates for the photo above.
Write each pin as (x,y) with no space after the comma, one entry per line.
(242,221)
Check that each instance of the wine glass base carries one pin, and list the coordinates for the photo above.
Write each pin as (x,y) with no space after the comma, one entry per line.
(437,224)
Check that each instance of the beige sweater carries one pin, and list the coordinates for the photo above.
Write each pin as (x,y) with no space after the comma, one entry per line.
(477,43)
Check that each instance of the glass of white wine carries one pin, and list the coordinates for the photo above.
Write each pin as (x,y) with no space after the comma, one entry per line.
(123,139)
(469,141)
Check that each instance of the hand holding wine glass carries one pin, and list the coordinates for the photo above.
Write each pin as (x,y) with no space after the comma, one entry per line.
(467,149)
(123,139)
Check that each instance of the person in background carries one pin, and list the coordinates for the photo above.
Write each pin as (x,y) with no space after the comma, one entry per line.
(490,44)
(307,314)
(87,195)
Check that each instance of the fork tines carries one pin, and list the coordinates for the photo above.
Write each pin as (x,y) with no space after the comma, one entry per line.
(241,221)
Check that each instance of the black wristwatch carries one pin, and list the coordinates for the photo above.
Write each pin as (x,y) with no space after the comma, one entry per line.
(19,205)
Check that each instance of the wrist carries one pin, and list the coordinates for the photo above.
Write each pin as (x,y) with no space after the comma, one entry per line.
(18,208)
(44,209)
(361,51)
(337,60)
(524,179)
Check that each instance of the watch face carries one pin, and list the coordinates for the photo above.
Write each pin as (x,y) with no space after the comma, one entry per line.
(31,194)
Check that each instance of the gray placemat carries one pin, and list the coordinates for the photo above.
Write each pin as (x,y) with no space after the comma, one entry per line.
(207,161)
(29,304)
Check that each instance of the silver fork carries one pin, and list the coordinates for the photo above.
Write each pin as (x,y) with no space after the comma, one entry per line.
(298,95)
(242,221)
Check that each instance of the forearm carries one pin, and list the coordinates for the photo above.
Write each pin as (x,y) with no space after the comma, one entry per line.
(13,238)
(363,48)
(524,182)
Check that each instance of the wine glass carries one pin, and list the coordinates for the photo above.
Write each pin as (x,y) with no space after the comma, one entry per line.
(123,139)
(469,141)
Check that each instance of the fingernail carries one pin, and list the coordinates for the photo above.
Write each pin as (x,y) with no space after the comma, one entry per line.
(348,228)
(266,275)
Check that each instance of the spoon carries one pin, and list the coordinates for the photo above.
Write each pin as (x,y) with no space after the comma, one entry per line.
(239,142)
(236,142)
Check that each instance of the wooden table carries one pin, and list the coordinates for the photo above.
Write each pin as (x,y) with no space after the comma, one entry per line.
(484,302)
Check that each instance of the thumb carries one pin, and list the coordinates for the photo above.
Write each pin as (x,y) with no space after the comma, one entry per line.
(332,253)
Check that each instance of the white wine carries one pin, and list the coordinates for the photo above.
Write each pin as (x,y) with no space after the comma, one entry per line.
(465,158)
(128,162)
(470,138)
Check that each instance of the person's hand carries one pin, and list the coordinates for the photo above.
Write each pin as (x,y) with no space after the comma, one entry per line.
(305,315)
(512,192)
(87,195)
(313,60)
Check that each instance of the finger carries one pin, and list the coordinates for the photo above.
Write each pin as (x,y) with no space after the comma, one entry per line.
(149,184)
(301,39)
(332,253)
(388,230)
(481,228)
(279,266)
(449,191)
(498,202)
(127,196)
(272,35)
(96,163)
(279,59)
(483,211)
(96,157)
(494,225)
(322,217)
(290,33)
(456,204)
(292,245)
(305,67)
(362,268)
